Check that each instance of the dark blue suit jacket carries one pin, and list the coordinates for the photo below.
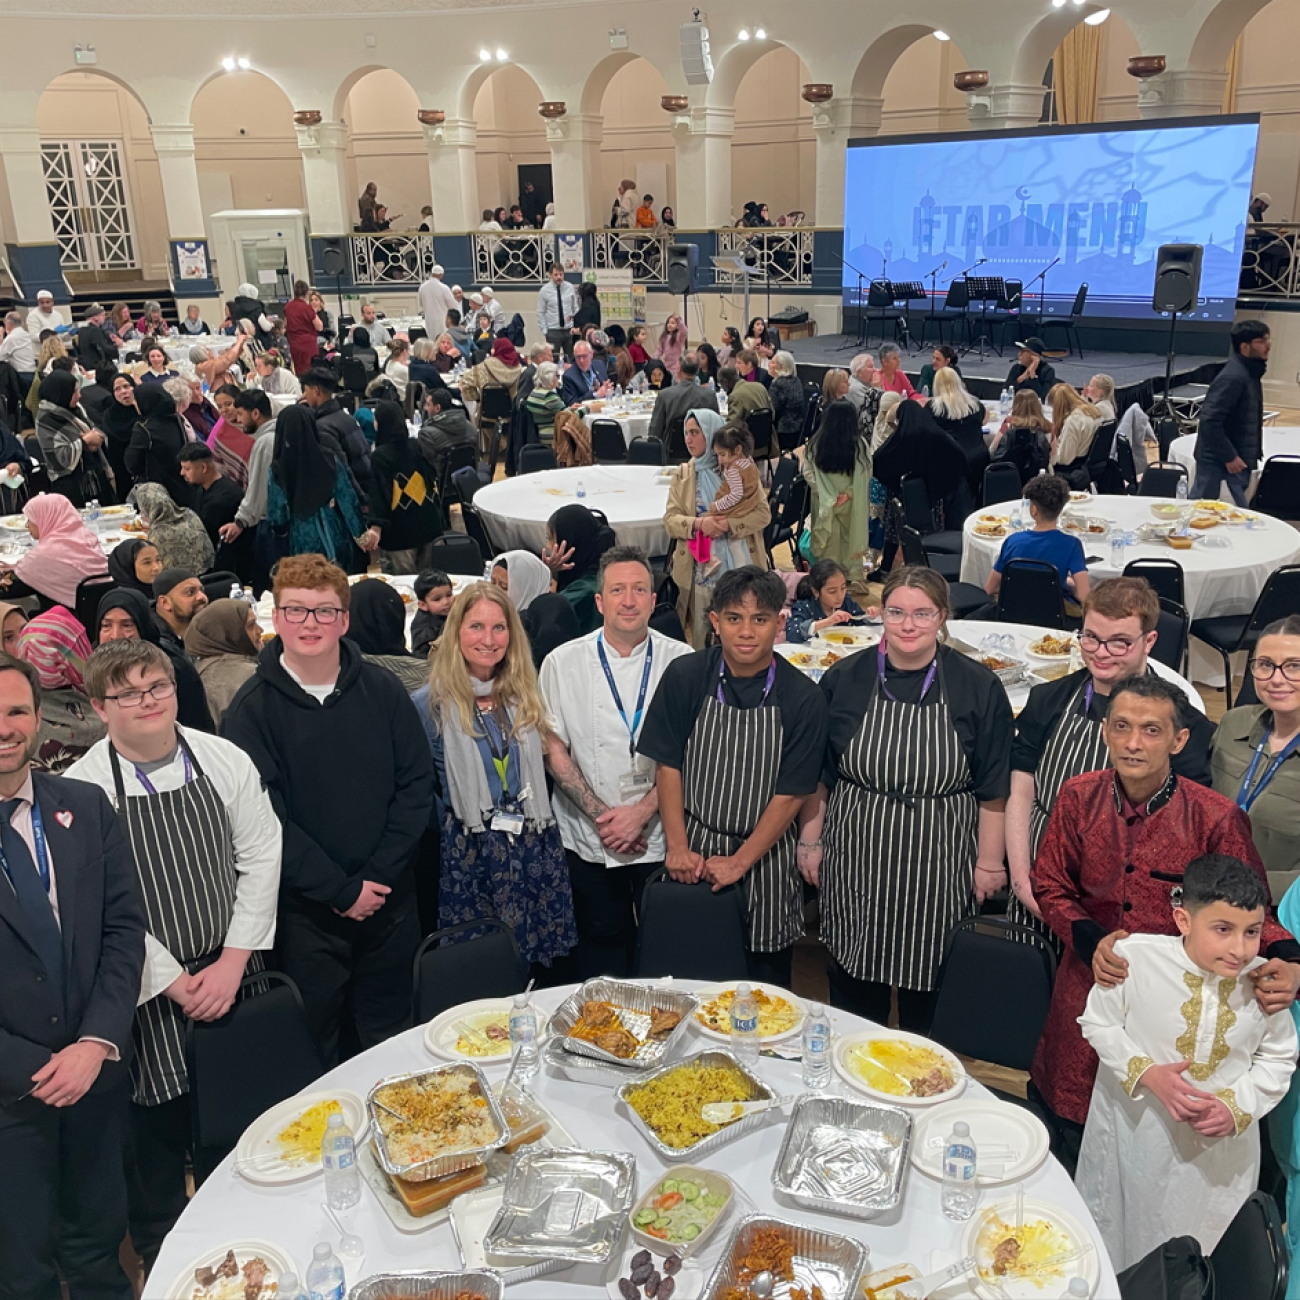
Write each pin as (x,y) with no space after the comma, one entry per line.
(573,387)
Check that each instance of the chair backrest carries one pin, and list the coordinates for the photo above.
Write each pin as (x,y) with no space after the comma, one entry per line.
(645,451)
(267,1023)
(1080,299)
(217,583)
(495,403)
(354,375)
(690,932)
(90,591)
(1251,1257)
(1102,441)
(1013,295)
(1166,431)
(759,424)
(1001,483)
(915,499)
(1172,625)
(1165,577)
(675,447)
(607,441)
(476,959)
(1127,465)
(458,458)
(473,522)
(787,498)
(457,553)
(414,399)
(990,961)
(537,456)
(1031,593)
(465,481)
(1278,493)
(913,548)
(958,297)
(1161,479)
(1280,597)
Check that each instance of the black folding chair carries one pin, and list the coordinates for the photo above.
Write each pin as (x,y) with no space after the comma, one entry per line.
(1001,483)
(1164,576)
(690,932)
(787,501)
(267,1023)
(1232,632)
(1166,431)
(675,451)
(1031,593)
(1250,1262)
(608,445)
(1278,493)
(759,424)
(813,396)
(645,451)
(495,407)
(964,598)
(1070,323)
(1161,479)
(1171,636)
(354,375)
(476,959)
(537,456)
(457,553)
(85,606)
(1102,471)
(458,458)
(919,512)
(470,517)
(218,583)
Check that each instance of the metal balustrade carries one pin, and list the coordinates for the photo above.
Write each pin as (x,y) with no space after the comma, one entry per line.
(1270,262)
(391,258)
(516,257)
(644,254)
(778,256)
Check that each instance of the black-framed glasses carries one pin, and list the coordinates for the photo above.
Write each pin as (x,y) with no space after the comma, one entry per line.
(321,613)
(1115,645)
(1262,669)
(134,699)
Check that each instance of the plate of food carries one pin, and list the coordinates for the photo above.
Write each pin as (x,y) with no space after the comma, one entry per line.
(243,1270)
(849,636)
(1216,507)
(1076,497)
(474,1031)
(622,1023)
(1205,521)
(1010,1140)
(640,1265)
(1168,510)
(14,523)
(1052,646)
(135,526)
(1237,518)
(282,1145)
(899,1067)
(1029,1250)
(117,512)
(990,526)
(1086,525)
(683,1209)
(780,1013)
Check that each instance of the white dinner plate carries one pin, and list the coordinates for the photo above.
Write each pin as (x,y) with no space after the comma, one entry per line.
(258,1143)
(845,1045)
(1047,659)
(690,1278)
(996,1127)
(278,1260)
(707,991)
(440,1034)
(1088,1266)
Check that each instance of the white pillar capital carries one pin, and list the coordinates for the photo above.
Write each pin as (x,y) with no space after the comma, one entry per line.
(1005,107)
(577,128)
(172,139)
(849,117)
(453,133)
(708,120)
(17,141)
(324,137)
(1187,93)
(453,173)
(323,147)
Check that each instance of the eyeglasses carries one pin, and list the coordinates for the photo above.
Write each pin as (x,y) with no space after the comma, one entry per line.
(921,617)
(1115,645)
(322,613)
(134,699)
(1263,669)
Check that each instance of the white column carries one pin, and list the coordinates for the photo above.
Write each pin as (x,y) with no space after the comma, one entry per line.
(703,136)
(1182,94)
(323,148)
(174,146)
(1005,107)
(32,249)
(836,122)
(453,174)
(575,170)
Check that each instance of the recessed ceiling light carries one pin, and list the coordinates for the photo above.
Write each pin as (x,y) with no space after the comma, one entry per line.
(1096,20)
(760,34)
(502,56)
(244,63)
(485,56)
(228,63)
(1058,4)
(743,33)
(942,36)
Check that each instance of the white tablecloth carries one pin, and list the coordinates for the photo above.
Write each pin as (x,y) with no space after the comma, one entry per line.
(1280,440)
(515,510)
(226,1208)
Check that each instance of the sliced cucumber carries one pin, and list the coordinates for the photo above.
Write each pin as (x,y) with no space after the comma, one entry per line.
(669,1185)
(691,1231)
(645,1217)
(688,1190)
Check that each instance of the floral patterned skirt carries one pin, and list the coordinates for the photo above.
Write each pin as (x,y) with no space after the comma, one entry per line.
(524,883)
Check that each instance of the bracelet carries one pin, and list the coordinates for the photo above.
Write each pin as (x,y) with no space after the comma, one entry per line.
(995,871)
(810,844)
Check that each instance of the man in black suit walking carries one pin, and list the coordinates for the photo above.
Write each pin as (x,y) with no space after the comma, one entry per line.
(71,953)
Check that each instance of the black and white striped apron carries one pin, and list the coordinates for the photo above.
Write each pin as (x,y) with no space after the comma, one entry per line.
(185,858)
(900,840)
(728,778)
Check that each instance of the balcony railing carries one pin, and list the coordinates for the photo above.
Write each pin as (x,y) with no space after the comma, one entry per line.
(1270,262)
(646,256)
(520,257)
(391,259)
(782,257)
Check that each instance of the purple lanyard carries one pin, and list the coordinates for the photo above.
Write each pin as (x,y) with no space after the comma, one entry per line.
(880,669)
(767,689)
(148,784)
(1088,693)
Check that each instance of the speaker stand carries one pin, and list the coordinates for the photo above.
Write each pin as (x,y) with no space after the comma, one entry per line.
(1163,407)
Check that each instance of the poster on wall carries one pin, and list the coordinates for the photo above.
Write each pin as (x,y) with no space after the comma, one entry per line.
(617,294)
(192,260)
(570,252)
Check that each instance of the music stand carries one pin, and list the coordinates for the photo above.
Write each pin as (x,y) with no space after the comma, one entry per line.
(984,289)
(735,264)
(907,292)
(880,293)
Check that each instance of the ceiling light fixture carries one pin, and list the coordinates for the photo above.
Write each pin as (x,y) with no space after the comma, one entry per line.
(1058,4)
(502,56)
(760,34)
(244,64)
(1096,20)
(942,36)
(743,33)
(228,63)
(485,56)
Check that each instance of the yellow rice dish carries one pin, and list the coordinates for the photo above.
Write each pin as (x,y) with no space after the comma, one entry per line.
(670,1105)
(300,1140)
(1038,1251)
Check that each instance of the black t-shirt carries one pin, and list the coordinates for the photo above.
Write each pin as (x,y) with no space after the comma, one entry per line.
(1049,701)
(692,679)
(217,504)
(1041,384)
(981,712)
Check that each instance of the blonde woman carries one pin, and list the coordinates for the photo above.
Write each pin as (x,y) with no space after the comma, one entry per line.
(836,385)
(886,420)
(961,416)
(1100,391)
(502,856)
(1074,425)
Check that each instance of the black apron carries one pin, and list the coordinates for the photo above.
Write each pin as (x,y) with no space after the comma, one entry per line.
(900,840)
(185,859)
(728,778)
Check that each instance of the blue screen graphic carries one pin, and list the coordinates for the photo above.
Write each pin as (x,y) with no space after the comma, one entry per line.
(1102,201)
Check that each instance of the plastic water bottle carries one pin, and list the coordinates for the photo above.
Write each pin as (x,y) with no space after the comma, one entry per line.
(93,512)
(816,1047)
(580,490)
(287,1288)
(325,1280)
(744,1026)
(523,1037)
(713,388)
(1117,550)
(1180,491)
(338,1157)
(960,1190)
(1004,402)
(1077,1290)
(618,392)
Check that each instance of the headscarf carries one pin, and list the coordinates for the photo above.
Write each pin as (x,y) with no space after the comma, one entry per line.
(177,532)
(121,564)
(65,553)
(247,291)
(156,404)
(708,473)
(549,622)
(377,619)
(529,577)
(390,425)
(58,387)
(577,527)
(6,609)
(654,364)
(919,446)
(117,420)
(137,606)
(220,629)
(302,467)
(56,645)
(504,350)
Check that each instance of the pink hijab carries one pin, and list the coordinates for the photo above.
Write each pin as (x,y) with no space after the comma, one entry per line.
(65,553)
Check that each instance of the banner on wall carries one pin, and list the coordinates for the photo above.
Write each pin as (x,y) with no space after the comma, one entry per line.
(620,299)
(192,260)
(570,252)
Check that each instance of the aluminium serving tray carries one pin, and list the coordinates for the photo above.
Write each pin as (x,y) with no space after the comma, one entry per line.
(821,1259)
(481,1285)
(634,1003)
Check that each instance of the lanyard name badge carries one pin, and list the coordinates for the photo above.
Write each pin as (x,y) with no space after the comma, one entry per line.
(767,686)
(637,781)
(148,786)
(42,853)
(1246,796)
(880,669)
(502,819)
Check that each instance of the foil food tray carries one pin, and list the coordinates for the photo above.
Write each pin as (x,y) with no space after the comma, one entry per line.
(481,1285)
(634,1003)
(822,1259)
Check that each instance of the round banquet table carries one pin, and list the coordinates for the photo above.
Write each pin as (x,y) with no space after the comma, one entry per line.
(227,1208)
(515,510)
(1282,440)
(1218,582)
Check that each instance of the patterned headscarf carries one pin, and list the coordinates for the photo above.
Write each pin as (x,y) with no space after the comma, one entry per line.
(56,645)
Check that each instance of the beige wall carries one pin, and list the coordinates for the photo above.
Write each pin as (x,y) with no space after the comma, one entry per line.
(919,94)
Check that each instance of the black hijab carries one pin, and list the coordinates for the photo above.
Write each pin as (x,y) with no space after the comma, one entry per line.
(156,406)
(135,604)
(121,564)
(918,446)
(549,621)
(576,526)
(390,425)
(117,420)
(58,387)
(377,619)
(302,467)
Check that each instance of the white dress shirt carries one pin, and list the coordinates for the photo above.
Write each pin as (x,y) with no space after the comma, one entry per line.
(254,828)
(38,320)
(19,351)
(585,718)
(548,308)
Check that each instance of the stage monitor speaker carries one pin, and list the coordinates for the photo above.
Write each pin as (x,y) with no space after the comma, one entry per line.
(683,267)
(332,259)
(1178,277)
(697,63)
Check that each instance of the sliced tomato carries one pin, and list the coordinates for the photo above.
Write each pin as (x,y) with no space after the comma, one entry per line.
(661,1233)
(668,1200)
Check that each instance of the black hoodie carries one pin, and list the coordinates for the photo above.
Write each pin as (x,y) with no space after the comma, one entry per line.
(350,779)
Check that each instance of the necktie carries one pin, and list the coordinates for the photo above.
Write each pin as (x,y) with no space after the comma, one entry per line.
(559,302)
(33,897)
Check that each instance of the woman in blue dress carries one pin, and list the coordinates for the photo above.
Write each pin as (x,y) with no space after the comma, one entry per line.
(502,855)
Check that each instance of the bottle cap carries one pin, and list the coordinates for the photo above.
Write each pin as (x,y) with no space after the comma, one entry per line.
(961,1129)
(287,1284)
(334,1121)
(816,1011)
(521,999)
(322,1250)
(1078,1287)
(743,990)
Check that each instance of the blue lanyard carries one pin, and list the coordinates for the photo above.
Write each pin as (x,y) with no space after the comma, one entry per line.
(767,689)
(500,757)
(148,784)
(880,669)
(635,725)
(42,853)
(1246,796)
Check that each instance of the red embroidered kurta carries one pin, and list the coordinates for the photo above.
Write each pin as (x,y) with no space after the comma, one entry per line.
(1088,885)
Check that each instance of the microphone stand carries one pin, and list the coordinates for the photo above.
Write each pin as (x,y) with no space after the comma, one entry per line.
(1041,280)
(932,315)
(860,339)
